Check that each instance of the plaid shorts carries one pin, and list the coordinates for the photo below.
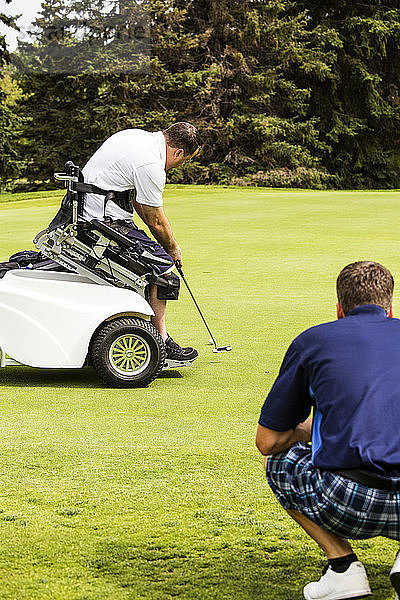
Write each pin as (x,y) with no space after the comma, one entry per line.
(339,505)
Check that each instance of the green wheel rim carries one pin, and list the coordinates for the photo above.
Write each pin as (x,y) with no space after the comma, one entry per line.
(129,355)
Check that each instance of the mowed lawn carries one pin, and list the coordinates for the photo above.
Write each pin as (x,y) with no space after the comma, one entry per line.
(159,493)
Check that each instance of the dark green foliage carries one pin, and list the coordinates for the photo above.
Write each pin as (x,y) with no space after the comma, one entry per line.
(63,123)
(9,22)
(71,105)
(359,108)
(11,162)
(241,71)
(286,93)
(88,36)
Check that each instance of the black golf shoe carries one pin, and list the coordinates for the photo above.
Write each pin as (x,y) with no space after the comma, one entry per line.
(176,352)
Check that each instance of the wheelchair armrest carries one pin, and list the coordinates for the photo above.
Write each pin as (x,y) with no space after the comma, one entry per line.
(124,241)
(110,232)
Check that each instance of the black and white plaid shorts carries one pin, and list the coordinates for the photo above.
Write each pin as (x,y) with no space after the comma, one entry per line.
(339,505)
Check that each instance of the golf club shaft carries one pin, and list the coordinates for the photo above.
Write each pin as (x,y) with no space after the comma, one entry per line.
(197,306)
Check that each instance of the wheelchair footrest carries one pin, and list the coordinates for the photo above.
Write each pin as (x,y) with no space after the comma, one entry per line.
(177,364)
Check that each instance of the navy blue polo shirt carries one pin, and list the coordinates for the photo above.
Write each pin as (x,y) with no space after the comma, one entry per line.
(349,371)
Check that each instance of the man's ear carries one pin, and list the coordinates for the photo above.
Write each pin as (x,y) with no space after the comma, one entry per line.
(390,313)
(339,311)
(179,152)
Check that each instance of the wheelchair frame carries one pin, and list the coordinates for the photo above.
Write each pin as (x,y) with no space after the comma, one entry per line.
(96,250)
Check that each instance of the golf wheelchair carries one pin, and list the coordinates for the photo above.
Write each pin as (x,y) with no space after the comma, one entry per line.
(92,307)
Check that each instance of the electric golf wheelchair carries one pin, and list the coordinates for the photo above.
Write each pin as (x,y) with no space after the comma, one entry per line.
(90,307)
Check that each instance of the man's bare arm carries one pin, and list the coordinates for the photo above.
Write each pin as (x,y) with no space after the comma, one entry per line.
(269,441)
(156,220)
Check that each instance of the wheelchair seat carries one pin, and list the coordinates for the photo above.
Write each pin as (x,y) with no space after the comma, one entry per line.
(96,249)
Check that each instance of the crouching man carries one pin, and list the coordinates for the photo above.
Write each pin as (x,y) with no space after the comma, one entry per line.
(346,484)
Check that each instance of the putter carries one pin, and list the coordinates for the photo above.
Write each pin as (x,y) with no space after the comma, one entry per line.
(212,338)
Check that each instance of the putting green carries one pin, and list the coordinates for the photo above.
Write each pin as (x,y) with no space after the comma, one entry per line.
(158,493)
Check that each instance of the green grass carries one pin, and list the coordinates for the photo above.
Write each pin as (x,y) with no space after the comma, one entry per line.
(159,493)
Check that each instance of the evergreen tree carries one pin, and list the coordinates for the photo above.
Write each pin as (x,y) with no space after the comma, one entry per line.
(242,71)
(85,36)
(294,93)
(11,163)
(66,80)
(9,22)
(263,62)
(359,108)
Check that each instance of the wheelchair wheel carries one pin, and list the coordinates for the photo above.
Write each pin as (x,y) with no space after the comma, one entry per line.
(127,352)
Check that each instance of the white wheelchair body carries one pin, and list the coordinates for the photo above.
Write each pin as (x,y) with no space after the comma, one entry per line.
(94,311)
(60,320)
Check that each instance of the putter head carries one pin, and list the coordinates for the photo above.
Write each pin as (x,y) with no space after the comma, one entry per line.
(223,349)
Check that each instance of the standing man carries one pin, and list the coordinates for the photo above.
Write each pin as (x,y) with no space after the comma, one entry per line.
(347,483)
(136,160)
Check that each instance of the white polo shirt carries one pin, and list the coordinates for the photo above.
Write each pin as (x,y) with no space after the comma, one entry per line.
(129,159)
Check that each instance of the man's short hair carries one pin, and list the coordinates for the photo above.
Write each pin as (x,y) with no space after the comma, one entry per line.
(183,135)
(364,282)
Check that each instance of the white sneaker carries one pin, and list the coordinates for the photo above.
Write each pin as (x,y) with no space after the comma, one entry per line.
(395,575)
(353,583)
